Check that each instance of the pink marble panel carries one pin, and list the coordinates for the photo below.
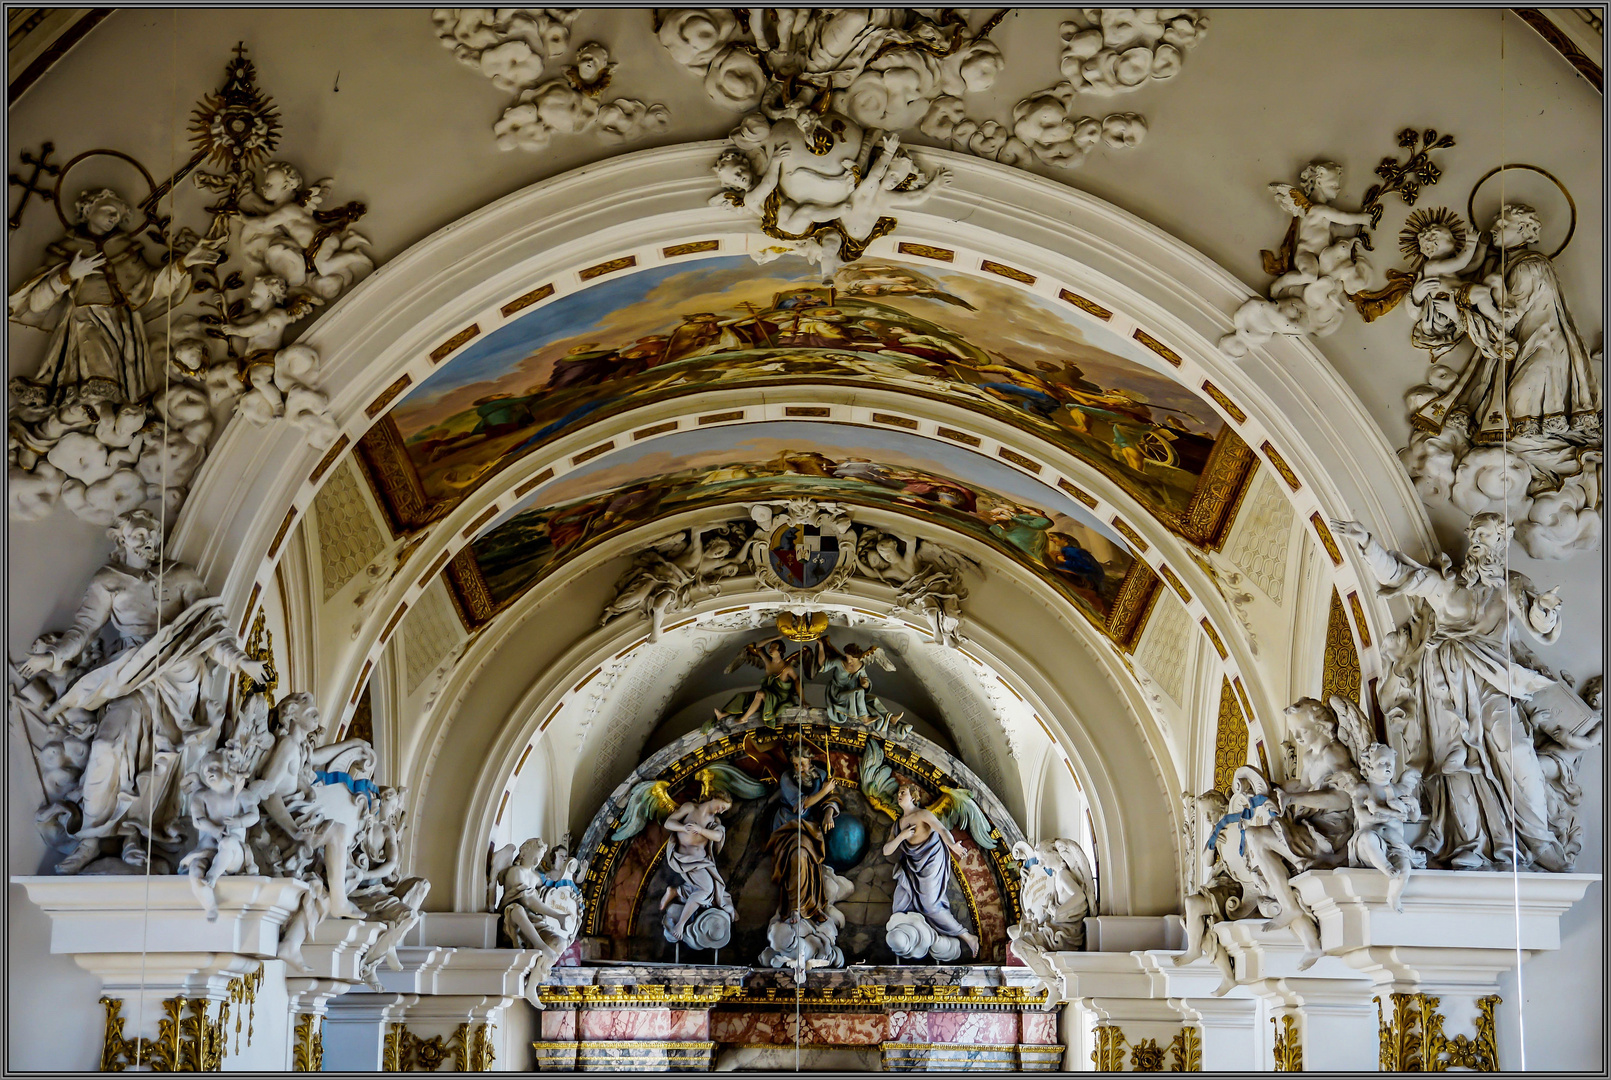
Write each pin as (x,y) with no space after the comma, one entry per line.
(1037,1028)
(753,1028)
(626,1023)
(571,957)
(843,1029)
(559,1025)
(908,1026)
(621,891)
(689,1025)
(973,1027)
(1013,959)
(992,928)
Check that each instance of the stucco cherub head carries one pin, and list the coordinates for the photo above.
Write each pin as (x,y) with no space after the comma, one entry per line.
(734,171)
(280,181)
(1321,180)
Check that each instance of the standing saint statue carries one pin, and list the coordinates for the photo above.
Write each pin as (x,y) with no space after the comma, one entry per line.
(159,708)
(89,293)
(1459,689)
(807,807)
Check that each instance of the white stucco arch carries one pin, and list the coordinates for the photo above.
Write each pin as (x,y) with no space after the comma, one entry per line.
(257,484)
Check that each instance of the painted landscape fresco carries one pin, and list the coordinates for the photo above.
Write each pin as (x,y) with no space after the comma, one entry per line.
(1034,525)
(727,322)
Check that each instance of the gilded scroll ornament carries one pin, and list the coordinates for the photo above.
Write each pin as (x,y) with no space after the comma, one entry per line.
(1230,739)
(188,1040)
(1108,1056)
(1288,1044)
(1413,1041)
(469,1048)
(1339,673)
(1186,1051)
(307,1052)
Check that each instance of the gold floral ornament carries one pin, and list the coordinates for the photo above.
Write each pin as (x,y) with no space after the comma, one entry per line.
(805,627)
(1147,1056)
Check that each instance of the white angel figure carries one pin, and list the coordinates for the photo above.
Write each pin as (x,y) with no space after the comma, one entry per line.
(1380,806)
(1056,892)
(283,229)
(671,573)
(928,578)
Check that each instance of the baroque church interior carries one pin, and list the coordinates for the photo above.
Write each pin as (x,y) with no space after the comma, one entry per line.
(805,539)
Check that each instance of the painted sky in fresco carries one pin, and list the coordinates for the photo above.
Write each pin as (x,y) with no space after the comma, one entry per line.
(1004,319)
(762,442)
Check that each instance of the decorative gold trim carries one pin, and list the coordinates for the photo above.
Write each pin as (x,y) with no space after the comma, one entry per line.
(1326,539)
(307,1052)
(1213,636)
(1288,1045)
(279,537)
(475,526)
(958,436)
(592,452)
(259,646)
(535,482)
(1174,582)
(1108,1055)
(1018,459)
(469,1048)
(383,459)
(329,459)
(1232,409)
(894,421)
(999,270)
(1551,33)
(1414,1041)
(1186,1051)
(1079,493)
(526,300)
(1090,307)
(471,599)
(463,337)
(1219,493)
(808,411)
(1129,533)
(1138,593)
(188,1040)
(925,251)
(1230,738)
(1339,671)
(1157,346)
(694,248)
(1279,464)
(387,396)
(600,269)
(653,430)
(1146,1056)
(391,624)
(1359,619)
(722,417)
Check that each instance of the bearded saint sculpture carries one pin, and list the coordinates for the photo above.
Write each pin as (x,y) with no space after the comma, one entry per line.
(1459,697)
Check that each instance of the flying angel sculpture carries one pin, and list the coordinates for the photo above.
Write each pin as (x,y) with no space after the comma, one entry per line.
(696,909)
(922,923)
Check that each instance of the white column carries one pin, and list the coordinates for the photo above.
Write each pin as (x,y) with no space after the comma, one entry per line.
(1330,1002)
(149,942)
(1457,932)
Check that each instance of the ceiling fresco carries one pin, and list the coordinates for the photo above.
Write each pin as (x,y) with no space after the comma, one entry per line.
(726,322)
(1032,524)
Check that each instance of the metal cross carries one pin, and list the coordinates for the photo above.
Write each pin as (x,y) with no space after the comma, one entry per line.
(30,187)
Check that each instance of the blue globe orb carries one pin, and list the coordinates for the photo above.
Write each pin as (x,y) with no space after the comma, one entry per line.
(846,842)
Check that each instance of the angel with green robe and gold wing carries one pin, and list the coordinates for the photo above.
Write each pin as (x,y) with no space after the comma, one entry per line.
(922,923)
(697,909)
